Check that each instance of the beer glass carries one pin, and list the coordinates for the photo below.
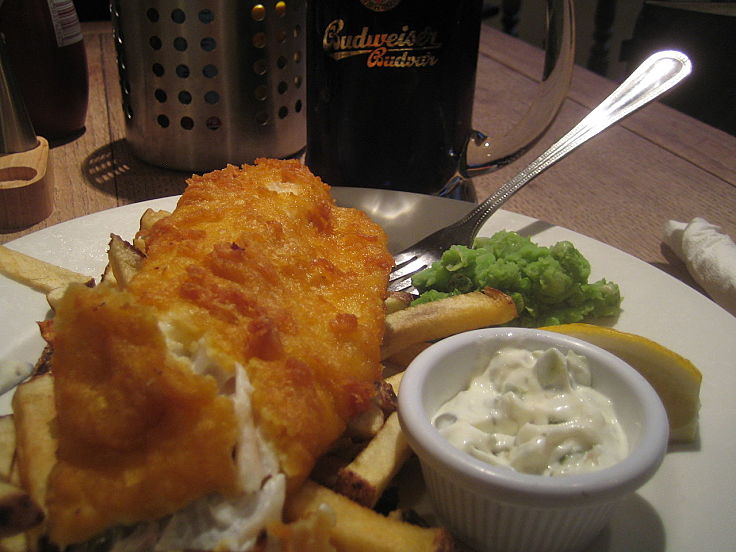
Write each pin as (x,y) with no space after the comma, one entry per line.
(390,88)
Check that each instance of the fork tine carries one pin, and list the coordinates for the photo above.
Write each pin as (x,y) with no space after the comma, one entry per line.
(403,285)
(404,257)
(408,270)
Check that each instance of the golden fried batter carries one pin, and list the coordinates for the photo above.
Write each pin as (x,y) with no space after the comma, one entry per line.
(258,266)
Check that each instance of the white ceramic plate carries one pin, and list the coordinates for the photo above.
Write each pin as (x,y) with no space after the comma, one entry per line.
(689,504)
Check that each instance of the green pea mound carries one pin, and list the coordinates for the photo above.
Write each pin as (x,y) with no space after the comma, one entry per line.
(548,284)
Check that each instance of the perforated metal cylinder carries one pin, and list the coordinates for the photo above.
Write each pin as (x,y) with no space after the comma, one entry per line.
(210,83)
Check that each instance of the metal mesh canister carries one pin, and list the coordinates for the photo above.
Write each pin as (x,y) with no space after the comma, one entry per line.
(206,83)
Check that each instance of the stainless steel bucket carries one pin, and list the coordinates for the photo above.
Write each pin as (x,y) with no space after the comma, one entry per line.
(206,83)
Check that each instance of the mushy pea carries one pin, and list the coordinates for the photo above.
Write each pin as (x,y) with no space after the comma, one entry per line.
(548,284)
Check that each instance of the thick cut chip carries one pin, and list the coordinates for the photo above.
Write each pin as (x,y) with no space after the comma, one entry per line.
(124,259)
(37,274)
(445,317)
(360,529)
(7,446)
(148,219)
(34,417)
(368,475)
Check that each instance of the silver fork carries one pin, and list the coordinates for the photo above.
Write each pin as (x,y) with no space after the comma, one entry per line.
(654,76)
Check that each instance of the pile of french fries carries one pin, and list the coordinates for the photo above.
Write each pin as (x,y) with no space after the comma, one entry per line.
(349,481)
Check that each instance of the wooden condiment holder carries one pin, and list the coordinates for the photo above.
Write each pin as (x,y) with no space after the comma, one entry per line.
(26,187)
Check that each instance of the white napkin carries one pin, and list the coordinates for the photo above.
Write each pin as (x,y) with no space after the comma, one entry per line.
(710,257)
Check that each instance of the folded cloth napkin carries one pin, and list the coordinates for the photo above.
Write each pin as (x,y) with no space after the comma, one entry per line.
(710,257)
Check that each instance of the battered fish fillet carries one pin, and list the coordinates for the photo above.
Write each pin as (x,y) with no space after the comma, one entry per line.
(231,362)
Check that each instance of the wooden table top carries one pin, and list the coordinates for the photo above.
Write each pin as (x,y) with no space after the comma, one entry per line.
(620,188)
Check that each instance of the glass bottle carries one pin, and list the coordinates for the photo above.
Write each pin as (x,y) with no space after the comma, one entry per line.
(46,49)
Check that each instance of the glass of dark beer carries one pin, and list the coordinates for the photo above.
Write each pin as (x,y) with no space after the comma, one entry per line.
(390,87)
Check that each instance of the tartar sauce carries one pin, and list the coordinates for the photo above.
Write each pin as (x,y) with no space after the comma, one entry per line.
(535,412)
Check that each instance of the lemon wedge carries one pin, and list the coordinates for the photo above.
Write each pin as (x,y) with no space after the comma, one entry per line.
(675,379)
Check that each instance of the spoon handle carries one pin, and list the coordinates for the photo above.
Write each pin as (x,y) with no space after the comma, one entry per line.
(654,76)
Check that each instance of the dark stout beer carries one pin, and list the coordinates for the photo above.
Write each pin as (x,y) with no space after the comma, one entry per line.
(46,51)
(390,90)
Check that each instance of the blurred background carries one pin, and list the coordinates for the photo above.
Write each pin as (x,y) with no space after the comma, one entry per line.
(613,36)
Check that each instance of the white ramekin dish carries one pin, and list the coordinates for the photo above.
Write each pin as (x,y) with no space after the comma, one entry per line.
(496,508)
